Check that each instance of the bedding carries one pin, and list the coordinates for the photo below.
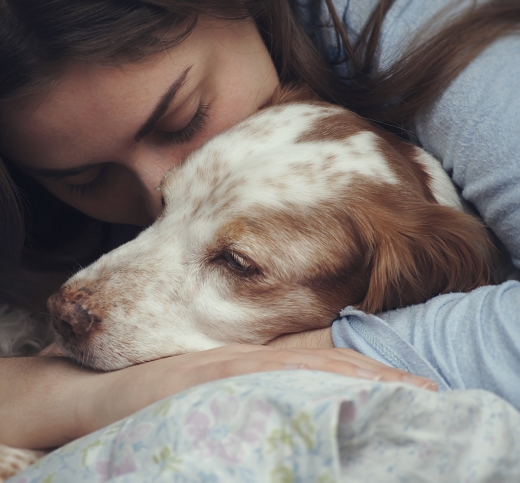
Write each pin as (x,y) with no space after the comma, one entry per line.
(298,426)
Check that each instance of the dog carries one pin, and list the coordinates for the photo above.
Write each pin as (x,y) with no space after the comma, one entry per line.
(270,228)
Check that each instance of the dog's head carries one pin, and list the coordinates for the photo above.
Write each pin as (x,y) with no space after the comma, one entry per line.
(270,228)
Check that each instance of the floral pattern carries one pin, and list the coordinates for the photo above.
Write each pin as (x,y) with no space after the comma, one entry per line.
(298,426)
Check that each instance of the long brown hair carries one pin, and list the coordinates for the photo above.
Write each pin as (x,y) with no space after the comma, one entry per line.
(39,37)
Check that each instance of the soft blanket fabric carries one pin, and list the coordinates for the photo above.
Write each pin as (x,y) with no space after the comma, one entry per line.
(299,426)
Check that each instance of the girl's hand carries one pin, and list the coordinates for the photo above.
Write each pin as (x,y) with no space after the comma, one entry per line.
(47,401)
(108,397)
(322,338)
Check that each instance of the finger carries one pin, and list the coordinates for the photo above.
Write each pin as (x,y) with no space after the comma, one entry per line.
(333,360)
(364,364)
(230,368)
(250,358)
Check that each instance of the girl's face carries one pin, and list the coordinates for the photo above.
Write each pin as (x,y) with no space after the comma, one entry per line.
(101,138)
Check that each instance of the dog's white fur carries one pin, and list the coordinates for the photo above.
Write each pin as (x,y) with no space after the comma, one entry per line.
(271,227)
(253,231)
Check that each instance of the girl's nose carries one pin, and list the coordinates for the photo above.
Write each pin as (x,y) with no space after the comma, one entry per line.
(153,199)
(149,171)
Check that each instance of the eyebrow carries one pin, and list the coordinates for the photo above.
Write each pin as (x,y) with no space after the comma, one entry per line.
(162,105)
(153,118)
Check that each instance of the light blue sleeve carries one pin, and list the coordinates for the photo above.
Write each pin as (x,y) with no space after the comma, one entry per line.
(462,341)
(474,128)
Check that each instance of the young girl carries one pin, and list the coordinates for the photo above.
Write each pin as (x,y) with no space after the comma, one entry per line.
(99,99)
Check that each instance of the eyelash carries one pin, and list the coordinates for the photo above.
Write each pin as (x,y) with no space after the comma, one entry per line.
(89,189)
(187,133)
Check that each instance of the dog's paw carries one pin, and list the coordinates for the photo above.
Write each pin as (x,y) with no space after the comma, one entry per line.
(14,460)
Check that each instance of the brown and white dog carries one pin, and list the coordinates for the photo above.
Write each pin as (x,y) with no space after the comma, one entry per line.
(271,228)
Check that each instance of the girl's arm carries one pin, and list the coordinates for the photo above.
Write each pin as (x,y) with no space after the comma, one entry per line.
(462,341)
(474,128)
(38,401)
(47,401)
(459,340)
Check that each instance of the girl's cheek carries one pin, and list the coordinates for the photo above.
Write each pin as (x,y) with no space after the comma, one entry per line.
(117,204)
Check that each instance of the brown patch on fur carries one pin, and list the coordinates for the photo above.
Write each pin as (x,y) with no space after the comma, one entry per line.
(279,184)
(399,154)
(375,247)
(341,124)
(338,126)
(418,249)
(402,158)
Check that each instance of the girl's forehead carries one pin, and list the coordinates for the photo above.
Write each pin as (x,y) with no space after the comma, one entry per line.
(91,102)
(91,80)
(90,108)
(208,43)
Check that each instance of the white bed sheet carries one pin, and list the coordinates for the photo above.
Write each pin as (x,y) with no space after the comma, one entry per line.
(299,426)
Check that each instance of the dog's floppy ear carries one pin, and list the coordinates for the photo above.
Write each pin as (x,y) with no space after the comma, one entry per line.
(426,250)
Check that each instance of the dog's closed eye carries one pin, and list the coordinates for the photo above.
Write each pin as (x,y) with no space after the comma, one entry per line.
(238,262)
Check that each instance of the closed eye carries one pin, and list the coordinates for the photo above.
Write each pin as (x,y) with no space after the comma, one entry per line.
(91,187)
(235,262)
(187,133)
(238,263)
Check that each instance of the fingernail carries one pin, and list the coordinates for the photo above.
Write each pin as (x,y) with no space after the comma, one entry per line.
(366,374)
(296,366)
(431,386)
(419,382)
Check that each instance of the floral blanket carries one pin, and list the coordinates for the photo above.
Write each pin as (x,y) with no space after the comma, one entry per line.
(298,426)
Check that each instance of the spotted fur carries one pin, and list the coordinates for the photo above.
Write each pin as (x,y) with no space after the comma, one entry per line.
(272,227)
